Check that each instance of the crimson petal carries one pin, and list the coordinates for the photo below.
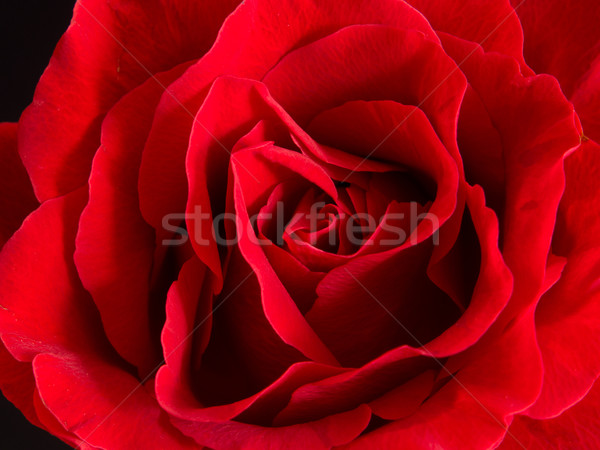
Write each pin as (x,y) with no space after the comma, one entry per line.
(109,48)
(115,246)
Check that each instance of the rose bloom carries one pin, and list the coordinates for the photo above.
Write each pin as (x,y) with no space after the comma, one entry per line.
(308,224)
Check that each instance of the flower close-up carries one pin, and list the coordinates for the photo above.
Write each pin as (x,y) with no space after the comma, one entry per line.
(308,224)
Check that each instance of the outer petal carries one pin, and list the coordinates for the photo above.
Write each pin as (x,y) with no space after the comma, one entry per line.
(337,429)
(37,263)
(115,247)
(55,427)
(578,225)
(72,361)
(538,128)
(568,316)
(571,52)
(587,101)
(104,405)
(574,43)
(493,24)
(16,195)
(576,428)
(110,48)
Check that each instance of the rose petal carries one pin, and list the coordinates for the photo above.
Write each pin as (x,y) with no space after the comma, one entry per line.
(567,315)
(347,390)
(493,24)
(322,434)
(538,128)
(93,399)
(492,289)
(567,322)
(370,62)
(571,52)
(387,131)
(404,400)
(567,52)
(46,329)
(499,380)
(175,383)
(108,50)
(577,225)
(425,156)
(246,363)
(577,427)
(356,328)
(28,326)
(48,273)
(115,247)
(491,294)
(54,426)
(587,101)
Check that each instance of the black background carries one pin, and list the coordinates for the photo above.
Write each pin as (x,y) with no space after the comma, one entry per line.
(29,30)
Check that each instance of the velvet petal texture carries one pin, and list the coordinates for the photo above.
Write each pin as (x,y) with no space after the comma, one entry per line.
(31,326)
(115,247)
(567,316)
(538,128)
(571,52)
(578,427)
(587,101)
(493,24)
(117,398)
(332,431)
(68,358)
(18,384)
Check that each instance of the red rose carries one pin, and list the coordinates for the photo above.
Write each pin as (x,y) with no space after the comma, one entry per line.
(308,225)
